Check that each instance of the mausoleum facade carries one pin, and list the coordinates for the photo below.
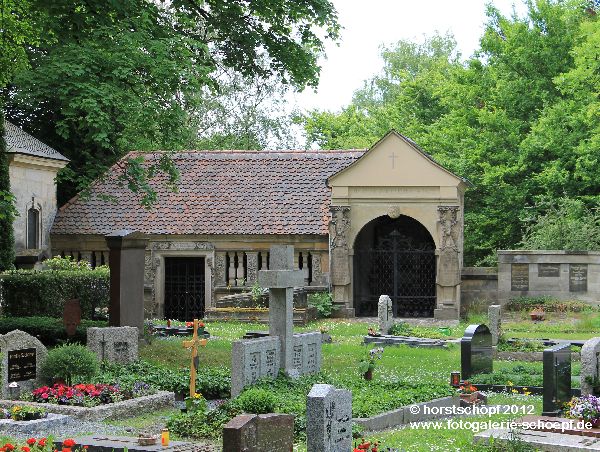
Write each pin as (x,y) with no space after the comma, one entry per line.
(385,220)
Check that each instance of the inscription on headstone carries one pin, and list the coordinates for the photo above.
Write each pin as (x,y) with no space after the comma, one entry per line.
(557,378)
(307,353)
(114,344)
(548,270)
(329,419)
(578,277)
(21,364)
(519,277)
(385,314)
(476,351)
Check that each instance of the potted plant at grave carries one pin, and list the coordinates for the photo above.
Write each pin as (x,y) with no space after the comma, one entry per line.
(586,408)
(366,365)
(373,332)
(537,314)
(27,413)
(468,392)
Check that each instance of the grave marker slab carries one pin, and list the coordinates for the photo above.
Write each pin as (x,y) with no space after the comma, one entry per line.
(519,277)
(258,433)
(385,313)
(71,316)
(476,351)
(253,359)
(578,276)
(329,419)
(495,322)
(22,357)
(114,344)
(280,279)
(590,364)
(557,378)
(307,353)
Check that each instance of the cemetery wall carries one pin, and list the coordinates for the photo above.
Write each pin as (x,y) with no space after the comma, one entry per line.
(566,275)
(479,287)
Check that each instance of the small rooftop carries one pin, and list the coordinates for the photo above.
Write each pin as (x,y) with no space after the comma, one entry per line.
(20,142)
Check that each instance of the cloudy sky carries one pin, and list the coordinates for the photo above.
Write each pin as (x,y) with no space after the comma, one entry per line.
(371,23)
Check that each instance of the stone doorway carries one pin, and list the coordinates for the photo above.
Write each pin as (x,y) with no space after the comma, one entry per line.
(395,257)
(185,294)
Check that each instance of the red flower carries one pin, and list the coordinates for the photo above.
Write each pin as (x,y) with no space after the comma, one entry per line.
(69,442)
(9,446)
(42,442)
(201,324)
(66,449)
(25,449)
(30,441)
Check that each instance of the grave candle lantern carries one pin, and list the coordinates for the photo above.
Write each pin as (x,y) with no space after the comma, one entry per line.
(454,378)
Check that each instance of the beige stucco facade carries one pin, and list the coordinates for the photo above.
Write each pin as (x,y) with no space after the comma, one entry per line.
(32,181)
(396,178)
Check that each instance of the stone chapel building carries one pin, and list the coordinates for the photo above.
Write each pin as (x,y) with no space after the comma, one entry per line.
(385,220)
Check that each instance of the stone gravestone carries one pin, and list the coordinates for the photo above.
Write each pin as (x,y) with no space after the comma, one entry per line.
(476,351)
(328,419)
(280,279)
(306,358)
(22,358)
(557,378)
(114,344)
(385,314)
(71,316)
(590,353)
(253,359)
(495,322)
(259,433)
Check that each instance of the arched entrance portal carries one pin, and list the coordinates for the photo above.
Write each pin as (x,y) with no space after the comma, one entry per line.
(395,257)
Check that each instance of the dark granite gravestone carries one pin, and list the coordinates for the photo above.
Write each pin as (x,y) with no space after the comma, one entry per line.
(519,277)
(71,316)
(578,276)
(476,351)
(21,364)
(557,378)
(257,433)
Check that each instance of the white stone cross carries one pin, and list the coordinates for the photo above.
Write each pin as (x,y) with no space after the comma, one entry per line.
(280,279)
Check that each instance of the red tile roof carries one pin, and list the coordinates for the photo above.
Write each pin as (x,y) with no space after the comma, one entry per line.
(220,192)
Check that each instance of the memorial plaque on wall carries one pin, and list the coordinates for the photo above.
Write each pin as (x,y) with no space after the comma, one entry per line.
(519,277)
(578,277)
(549,270)
(21,364)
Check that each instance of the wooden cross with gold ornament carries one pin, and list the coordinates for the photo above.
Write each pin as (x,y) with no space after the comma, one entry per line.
(193,344)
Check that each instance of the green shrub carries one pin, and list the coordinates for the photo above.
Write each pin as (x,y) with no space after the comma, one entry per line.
(400,329)
(256,401)
(50,331)
(44,292)
(71,363)
(548,303)
(323,302)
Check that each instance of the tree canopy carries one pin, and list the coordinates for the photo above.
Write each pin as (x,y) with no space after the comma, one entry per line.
(519,118)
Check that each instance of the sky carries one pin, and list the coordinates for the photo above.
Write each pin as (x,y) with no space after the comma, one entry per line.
(370,23)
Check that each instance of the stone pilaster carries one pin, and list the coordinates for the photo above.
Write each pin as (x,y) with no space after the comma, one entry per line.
(448,266)
(339,228)
(252,268)
(220,269)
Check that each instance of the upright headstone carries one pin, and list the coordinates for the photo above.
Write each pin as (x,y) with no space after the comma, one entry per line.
(306,357)
(476,351)
(253,359)
(385,314)
(557,378)
(22,357)
(71,316)
(259,433)
(126,261)
(590,364)
(280,279)
(114,344)
(328,419)
(495,322)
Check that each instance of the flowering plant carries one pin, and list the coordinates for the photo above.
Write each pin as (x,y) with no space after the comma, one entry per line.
(31,445)
(373,332)
(467,388)
(368,363)
(585,407)
(196,403)
(26,413)
(79,395)
(366,446)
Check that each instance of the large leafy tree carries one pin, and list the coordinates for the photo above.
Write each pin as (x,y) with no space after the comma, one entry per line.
(128,75)
(518,119)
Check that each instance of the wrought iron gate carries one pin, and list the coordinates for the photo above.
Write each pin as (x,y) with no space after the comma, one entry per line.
(399,267)
(184,288)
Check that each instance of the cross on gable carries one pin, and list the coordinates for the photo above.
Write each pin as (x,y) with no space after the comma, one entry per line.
(393,157)
(194,343)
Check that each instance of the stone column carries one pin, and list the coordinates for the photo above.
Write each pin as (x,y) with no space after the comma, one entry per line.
(339,272)
(281,279)
(220,269)
(318,279)
(448,265)
(126,260)
(252,272)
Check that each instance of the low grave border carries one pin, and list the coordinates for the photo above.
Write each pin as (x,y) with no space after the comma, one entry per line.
(35,427)
(407,414)
(535,390)
(388,339)
(126,408)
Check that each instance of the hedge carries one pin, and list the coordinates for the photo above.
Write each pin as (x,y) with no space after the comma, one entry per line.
(43,293)
(48,330)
